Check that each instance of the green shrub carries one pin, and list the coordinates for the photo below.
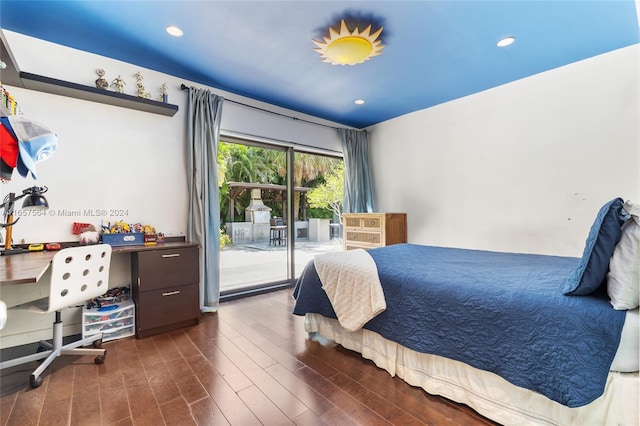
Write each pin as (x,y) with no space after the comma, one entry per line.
(225,240)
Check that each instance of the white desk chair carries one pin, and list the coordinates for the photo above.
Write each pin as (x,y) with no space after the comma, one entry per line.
(77,274)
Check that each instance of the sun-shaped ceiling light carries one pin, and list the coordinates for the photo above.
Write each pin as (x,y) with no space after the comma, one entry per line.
(349,48)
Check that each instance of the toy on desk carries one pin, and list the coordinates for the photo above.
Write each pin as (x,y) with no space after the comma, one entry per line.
(36,247)
(150,236)
(80,227)
(89,236)
(52,246)
(118,228)
(104,229)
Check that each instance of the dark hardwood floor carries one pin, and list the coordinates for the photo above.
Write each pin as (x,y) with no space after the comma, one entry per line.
(249,364)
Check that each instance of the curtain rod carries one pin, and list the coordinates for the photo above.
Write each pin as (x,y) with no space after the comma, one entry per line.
(185,87)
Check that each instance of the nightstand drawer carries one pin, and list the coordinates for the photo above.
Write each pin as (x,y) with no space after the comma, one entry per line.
(368,222)
(371,223)
(165,268)
(364,237)
(352,222)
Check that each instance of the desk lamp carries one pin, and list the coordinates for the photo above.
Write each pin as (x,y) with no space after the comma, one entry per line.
(33,200)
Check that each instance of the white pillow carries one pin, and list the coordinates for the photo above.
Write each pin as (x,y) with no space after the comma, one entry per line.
(623,279)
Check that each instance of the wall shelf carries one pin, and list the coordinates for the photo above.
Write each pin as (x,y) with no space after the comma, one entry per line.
(88,93)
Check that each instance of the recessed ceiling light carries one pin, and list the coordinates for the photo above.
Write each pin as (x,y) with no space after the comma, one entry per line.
(174,31)
(359,101)
(506,41)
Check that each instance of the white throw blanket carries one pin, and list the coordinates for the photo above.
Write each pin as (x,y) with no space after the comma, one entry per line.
(350,279)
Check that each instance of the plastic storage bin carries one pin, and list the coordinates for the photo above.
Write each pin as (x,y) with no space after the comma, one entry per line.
(113,321)
(124,239)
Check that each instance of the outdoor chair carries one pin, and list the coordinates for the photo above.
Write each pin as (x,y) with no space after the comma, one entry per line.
(277,232)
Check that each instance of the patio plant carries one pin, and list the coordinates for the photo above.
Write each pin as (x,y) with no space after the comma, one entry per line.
(329,195)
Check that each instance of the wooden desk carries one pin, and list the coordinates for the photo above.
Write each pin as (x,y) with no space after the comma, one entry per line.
(28,268)
(21,277)
(24,268)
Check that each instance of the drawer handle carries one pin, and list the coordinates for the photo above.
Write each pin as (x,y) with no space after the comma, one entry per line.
(171,255)
(372,238)
(171,293)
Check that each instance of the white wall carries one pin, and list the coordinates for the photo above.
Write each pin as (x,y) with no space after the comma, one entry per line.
(522,167)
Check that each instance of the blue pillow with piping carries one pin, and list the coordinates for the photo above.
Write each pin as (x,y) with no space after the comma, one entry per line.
(601,242)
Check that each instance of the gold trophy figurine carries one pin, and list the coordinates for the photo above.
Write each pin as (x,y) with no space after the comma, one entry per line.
(101,82)
(119,84)
(141,91)
(163,93)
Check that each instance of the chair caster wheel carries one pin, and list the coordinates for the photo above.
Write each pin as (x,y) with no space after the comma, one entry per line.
(100,359)
(35,382)
(38,350)
(97,343)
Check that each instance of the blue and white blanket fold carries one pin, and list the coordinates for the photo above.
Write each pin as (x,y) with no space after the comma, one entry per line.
(499,312)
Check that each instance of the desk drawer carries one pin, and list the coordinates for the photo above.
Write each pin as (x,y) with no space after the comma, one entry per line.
(159,269)
(164,307)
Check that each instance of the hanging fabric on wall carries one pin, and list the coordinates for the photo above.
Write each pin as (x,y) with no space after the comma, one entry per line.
(24,143)
(358,195)
(204,113)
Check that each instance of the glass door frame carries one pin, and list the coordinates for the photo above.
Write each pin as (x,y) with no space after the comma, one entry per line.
(263,287)
(290,151)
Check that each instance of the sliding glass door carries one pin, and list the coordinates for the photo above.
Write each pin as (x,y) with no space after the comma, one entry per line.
(275,214)
(253,197)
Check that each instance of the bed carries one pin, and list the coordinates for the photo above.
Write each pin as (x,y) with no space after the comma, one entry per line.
(521,338)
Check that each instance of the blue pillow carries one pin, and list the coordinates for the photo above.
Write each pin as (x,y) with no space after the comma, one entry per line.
(601,242)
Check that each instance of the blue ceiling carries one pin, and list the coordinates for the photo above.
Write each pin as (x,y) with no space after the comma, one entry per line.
(435,51)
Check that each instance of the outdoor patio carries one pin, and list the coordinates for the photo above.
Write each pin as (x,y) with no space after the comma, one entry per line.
(256,263)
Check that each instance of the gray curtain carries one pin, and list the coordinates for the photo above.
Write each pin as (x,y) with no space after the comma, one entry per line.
(358,195)
(204,111)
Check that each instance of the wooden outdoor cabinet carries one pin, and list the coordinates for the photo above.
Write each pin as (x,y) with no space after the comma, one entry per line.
(369,230)
(165,289)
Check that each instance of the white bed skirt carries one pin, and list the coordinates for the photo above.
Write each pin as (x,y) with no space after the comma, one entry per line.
(487,393)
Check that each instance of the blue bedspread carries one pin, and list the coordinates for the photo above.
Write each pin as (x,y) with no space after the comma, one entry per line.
(500,312)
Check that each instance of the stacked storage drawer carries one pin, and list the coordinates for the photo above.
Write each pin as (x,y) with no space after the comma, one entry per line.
(113,323)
